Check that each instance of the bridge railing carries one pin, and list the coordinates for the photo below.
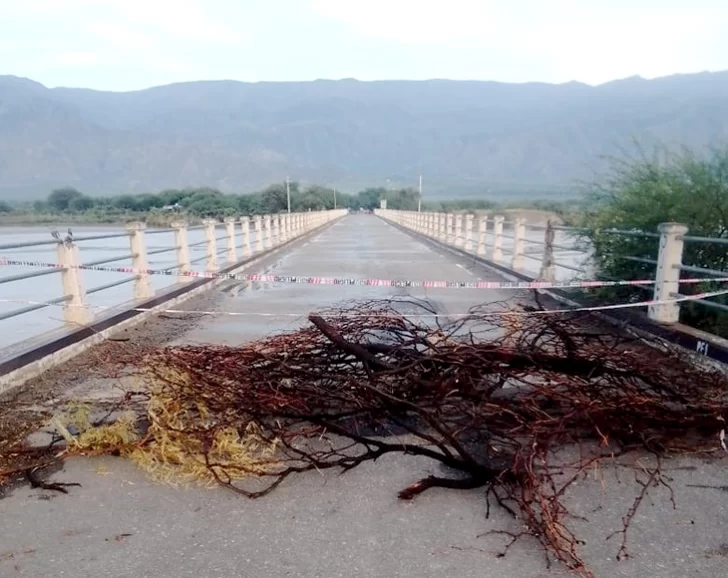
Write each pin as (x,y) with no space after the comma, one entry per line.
(232,240)
(549,252)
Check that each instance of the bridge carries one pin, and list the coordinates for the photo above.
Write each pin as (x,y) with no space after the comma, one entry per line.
(164,267)
(276,270)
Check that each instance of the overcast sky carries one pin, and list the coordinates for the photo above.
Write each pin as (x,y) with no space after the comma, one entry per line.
(132,44)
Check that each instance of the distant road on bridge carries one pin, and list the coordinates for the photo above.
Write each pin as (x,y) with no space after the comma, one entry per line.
(356,247)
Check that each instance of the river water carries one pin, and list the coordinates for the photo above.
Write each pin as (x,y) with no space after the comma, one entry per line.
(37,323)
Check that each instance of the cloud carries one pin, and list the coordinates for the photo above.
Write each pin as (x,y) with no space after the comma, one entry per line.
(413,21)
(75,59)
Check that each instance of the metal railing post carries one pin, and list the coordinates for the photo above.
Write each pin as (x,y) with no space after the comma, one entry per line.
(548,264)
(667,278)
(498,239)
(143,285)
(75,309)
(519,243)
(210,244)
(183,251)
(482,229)
(232,254)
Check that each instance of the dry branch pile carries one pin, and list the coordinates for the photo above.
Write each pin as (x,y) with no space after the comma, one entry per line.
(491,400)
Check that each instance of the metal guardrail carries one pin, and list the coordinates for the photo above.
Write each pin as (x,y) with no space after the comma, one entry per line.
(259,234)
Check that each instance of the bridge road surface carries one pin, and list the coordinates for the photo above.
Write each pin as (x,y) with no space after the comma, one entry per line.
(122,525)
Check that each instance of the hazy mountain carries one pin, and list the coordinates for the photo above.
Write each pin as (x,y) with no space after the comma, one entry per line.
(463,136)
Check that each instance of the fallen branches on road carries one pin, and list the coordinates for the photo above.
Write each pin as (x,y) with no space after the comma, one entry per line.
(501,401)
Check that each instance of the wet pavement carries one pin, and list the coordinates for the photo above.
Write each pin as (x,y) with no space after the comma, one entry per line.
(119,524)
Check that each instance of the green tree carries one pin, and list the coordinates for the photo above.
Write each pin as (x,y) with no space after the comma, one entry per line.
(81,204)
(5,207)
(638,196)
(126,202)
(370,198)
(60,199)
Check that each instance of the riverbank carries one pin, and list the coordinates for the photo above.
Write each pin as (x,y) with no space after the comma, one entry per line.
(95,220)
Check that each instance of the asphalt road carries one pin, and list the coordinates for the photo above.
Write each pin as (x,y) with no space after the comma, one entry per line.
(119,524)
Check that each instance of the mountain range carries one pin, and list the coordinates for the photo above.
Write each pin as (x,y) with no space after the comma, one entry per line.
(465,137)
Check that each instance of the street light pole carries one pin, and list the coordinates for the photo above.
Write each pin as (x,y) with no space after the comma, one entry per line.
(288,194)
(419,201)
(334,199)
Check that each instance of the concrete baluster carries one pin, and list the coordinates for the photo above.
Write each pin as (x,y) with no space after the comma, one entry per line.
(548,264)
(519,244)
(143,285)
(450,229)
(245,224)
(482,230)
(442,227)
(232,253)
(458,230)
(284,226)
(210,244)
(273,239)
(268,239)
(75,309)
(469,245)
(183,251)
(667,278)
(258,222)
(498,239)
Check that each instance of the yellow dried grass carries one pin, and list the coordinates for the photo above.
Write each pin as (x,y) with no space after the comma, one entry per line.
(182,445)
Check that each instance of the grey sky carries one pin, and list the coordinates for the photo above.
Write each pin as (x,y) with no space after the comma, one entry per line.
(132,44)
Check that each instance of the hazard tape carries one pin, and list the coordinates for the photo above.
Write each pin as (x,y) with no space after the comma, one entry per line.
(509,312)
(589,284)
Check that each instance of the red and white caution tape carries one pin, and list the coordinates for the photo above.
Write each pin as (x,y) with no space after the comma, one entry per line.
(512,312)
(588,284)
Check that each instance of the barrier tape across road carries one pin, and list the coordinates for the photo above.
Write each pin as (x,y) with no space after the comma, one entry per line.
(470,314)
(298,279)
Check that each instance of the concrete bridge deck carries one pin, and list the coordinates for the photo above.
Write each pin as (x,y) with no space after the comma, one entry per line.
(120,524)
(360,247)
